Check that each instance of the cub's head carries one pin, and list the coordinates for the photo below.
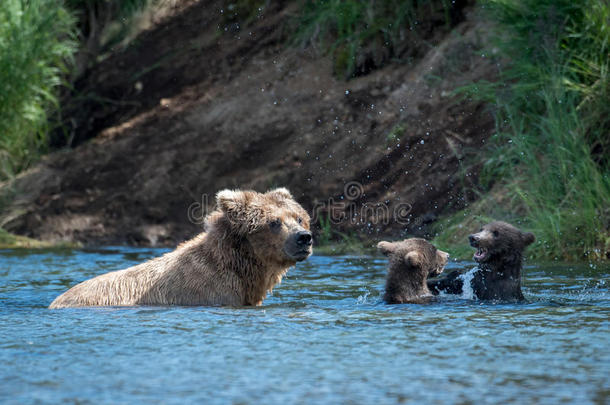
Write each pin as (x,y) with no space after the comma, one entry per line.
(274,224)
(414,256)
(497,240)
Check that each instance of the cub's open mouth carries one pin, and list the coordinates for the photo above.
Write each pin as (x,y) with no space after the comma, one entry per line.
(480,254)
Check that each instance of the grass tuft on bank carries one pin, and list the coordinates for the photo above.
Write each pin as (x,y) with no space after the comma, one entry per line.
(37,41)
(546,169)
(363,35)
(10,241)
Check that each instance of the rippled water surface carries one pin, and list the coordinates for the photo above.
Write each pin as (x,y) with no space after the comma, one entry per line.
(324,336)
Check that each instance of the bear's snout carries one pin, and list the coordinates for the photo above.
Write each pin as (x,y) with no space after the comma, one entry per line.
(304,238)
(299,245)
(474,240)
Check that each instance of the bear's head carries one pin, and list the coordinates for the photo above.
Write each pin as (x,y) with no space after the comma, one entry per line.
(499,240)
(273,223)
(414,257)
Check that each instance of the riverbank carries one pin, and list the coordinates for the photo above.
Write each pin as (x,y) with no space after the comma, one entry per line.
(379,133)
(186,111)
(11,241)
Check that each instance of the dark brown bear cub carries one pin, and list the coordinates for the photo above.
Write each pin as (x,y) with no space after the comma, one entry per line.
(411,262)
(499,254)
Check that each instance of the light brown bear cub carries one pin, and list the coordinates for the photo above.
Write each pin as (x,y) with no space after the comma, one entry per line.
(249,243)
(412,261)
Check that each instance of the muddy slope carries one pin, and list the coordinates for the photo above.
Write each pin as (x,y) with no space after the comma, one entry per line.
(184,112)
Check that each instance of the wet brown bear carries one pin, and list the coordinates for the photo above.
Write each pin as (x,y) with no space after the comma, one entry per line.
(411,262)
(251,241)
(499,254)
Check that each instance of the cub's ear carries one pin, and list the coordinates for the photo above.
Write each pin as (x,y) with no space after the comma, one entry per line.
(413,259)
(385,247)
(442,255)
(528,238)
(281,192)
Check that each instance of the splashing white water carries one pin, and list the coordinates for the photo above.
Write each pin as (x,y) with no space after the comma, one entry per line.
(362,299)
(467,291)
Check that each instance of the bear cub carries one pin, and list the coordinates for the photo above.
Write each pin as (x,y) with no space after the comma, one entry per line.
(412,261)
(499,254)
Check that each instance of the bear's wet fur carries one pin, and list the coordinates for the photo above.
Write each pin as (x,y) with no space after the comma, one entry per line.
(411,262)
(499,255)
(250,242)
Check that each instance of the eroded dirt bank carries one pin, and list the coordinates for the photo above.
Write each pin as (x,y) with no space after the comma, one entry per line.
(184,112)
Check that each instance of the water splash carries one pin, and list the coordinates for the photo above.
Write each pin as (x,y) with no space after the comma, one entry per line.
(592,289)
(362,299)
(467,291)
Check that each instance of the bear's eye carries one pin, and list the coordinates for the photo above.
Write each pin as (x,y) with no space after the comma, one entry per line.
(300,220)
(275,224)
(496,233)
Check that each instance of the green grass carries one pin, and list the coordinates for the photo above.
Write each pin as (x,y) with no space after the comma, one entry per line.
(10,241)
(37,40)
(549,158)
(395,134)
(363,35)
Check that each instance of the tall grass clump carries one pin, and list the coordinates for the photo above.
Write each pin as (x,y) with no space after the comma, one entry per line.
(362,35)
(547,166)
(37,40)
(105,25)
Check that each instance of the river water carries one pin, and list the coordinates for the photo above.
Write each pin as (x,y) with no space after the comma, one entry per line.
(324,336)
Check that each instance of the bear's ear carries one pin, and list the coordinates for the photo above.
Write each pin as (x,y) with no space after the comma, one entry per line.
(231,201)
(413,259)
(385,247)
(528,238)
(241,209)
(236,206)
(280,192)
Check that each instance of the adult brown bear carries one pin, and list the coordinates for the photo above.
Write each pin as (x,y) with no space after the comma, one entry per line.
(499,254)
(251,241)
